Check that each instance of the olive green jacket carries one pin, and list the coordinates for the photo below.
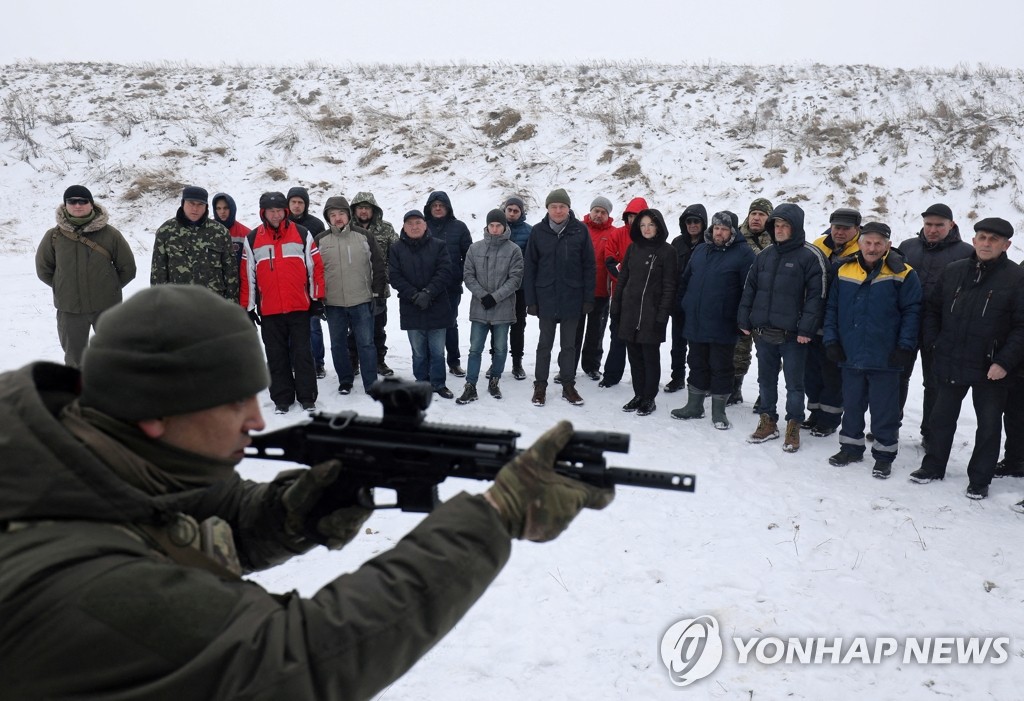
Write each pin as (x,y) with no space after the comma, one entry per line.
(91,608)
(84,280)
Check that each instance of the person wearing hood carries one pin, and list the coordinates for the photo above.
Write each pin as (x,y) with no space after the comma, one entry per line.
(871,328)
(493,273)
(710,290)
(298,212)
(454,234)
(936,245)
(368,215)
(124,547)
(519,234)
(615,361)
(643,301)
(782,309)
(693,222)
(224,213)
(86,262)
(590,331)
(193,249)
(753,230)
(354,278)
(282,287)
(823,380)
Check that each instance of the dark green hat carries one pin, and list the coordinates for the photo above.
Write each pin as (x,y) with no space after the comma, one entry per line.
(169,350)
(560,196)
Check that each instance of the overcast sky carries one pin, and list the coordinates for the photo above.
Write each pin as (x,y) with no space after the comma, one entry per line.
(891,33)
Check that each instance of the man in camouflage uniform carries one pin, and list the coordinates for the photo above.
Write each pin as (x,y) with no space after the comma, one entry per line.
(193,249)
(368,215)
(753,230)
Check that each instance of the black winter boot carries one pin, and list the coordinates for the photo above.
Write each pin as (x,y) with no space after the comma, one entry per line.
(737,392)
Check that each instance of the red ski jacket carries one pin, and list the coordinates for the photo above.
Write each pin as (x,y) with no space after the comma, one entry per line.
(284,266)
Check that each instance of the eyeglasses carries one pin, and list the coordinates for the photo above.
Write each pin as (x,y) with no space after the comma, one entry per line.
(76,200)
(693,220)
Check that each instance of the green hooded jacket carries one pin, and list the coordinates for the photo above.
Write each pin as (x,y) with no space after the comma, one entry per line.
(382,230)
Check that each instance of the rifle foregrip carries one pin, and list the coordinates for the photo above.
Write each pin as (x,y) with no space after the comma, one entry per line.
(635,477)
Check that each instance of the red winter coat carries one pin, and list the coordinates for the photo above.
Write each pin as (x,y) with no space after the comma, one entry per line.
(619,239)
(601,237)
(284,265)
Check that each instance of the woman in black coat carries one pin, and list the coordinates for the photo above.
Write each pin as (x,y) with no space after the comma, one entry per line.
(643,301)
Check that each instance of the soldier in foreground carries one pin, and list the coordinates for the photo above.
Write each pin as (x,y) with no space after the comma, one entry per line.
(122,549)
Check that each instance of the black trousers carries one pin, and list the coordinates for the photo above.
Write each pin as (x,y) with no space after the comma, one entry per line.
(589,341)
(615,363)
(989,400)
(679,349)
(289,358)
(930,391)
(711,367)
(645,368)
(1013,422)
(566,329)
(517,333)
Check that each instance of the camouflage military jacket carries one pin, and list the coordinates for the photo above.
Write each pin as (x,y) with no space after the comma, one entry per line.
(195,254)
(383,232)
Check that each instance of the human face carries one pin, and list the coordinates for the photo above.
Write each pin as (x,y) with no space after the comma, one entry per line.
(694,227)
(338,218)
(194,211)
(513,213)
(222,209)
(599,216)
(274,216)
(80,208)
(721,234)
(558,212)
(648,227)
(872,247)
(495,228)
(297,206)
(221,432)
(989,246)
(415,227)
(438,210)
(936,228)
(783,230)
(756,221)
(842,234)
(628,218)
(364,212)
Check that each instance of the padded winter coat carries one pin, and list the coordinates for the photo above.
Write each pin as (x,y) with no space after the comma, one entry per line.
(711,288)
(646,292)
(601,239)
(559,270)
(930,259)
(871,313)
(421,264)
(284,266)
(453,233)
(494,266)
(195,253)
(354,269)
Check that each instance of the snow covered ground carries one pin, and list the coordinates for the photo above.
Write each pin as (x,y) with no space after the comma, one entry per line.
(771,544)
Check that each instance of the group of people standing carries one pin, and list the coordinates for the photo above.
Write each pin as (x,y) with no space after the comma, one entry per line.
(842,317)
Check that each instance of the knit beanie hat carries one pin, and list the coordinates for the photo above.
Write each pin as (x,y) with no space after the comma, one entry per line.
(496,215)
(517,201)
(602,202)
(727,219)
(171,349)
(995,225)
(196,194)
(761,205)
(78,191)
(559,196)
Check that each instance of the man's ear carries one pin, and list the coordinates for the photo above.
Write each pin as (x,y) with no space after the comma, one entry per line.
(153,428)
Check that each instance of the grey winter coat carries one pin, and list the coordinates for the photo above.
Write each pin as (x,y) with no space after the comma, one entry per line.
(494,266)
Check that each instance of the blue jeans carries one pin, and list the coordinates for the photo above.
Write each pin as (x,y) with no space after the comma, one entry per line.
(499,342)
(428,356)
(316,340)
(360,319)
(451,336)
(789,357)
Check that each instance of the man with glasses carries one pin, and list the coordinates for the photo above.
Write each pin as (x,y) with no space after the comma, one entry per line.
(86,261)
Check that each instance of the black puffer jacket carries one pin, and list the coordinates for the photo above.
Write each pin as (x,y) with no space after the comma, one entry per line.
(974,317)
(682,243)
(645,295)
(787,283)
(930,259)
(453,233)
(421,264)
(560,273)
(310,221)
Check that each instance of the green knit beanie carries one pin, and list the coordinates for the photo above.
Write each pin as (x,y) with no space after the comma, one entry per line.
(168,350)
(560,196)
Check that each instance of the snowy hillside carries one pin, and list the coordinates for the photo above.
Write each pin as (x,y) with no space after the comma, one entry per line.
(771,544)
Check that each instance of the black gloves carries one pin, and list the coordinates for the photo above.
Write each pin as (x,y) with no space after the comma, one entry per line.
(902,358)
(309,512)
(488,302)
(835,353)
(316,308)
(421,299)
(613,267)
(532,310)
(254,317)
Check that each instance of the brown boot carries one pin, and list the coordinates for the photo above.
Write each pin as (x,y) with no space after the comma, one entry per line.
(767,429)
(539,390)
(570,394)
(792,443)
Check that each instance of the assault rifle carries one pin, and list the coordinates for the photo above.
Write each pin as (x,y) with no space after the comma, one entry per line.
(404,453)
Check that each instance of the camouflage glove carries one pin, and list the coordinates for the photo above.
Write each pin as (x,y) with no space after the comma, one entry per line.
(534,501)
(306,516)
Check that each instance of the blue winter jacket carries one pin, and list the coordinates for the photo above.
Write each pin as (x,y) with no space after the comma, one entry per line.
(711,288)
(871,313)
(453,233)
(420,264)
